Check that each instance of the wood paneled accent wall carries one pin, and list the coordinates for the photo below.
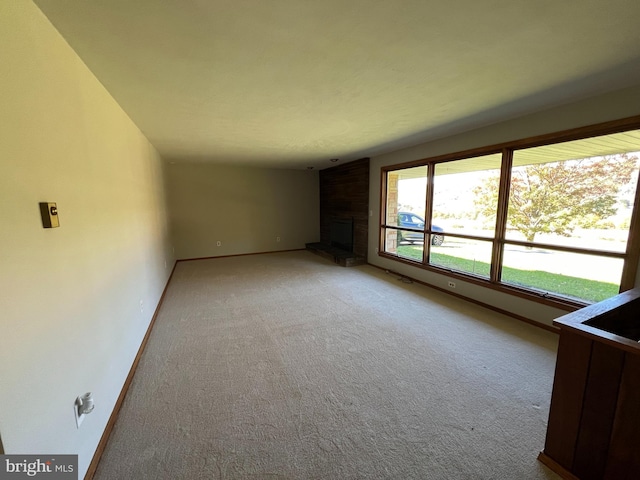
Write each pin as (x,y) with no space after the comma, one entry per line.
(344,194)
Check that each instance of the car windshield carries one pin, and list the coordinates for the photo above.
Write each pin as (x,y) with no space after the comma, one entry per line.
(411,220)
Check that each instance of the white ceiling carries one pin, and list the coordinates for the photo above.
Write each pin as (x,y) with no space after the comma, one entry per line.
(293,83)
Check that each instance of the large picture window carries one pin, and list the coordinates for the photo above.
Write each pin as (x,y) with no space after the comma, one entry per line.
(548,219)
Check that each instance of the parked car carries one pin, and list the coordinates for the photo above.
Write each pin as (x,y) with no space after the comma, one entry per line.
(411,220)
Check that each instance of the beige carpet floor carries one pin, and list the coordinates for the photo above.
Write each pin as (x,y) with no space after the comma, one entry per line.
(286,366)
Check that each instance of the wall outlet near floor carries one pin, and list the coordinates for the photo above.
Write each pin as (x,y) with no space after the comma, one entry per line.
(452,285)
(141,306)
(219,243)
(277,239)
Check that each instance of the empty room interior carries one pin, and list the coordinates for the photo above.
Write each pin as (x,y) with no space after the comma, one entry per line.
(295,239)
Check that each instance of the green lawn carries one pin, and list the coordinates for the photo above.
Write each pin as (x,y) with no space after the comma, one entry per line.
(590,290)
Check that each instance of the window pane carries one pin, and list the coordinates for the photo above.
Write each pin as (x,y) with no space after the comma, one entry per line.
(584,277)
(578,194)
(404,244)
(462,255)
(465,196)
(412,251)
(406,196)
(407,237)
(390,240)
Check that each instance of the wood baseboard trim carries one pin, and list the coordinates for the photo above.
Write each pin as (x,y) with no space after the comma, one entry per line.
(93,466)
(472,300)
(241,255)
(556,467)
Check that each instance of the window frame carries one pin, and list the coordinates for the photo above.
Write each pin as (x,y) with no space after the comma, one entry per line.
(630,257)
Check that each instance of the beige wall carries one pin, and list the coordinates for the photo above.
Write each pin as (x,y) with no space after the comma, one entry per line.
(244,208)
(70,316)
(613,106)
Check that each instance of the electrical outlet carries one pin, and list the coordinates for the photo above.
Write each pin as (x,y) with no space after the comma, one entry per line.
(452,285)
(165,264)
(141,306)
(277,239)
(219,243)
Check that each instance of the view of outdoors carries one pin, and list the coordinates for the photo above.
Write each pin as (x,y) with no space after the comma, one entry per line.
(455,210)
(581,203)
(567,222)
